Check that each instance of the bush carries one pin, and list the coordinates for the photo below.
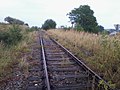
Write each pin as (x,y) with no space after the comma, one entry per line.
(34,28)
(12,36)
(49,24)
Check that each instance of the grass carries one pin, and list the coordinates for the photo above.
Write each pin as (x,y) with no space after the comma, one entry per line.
(14,55)
(99,52)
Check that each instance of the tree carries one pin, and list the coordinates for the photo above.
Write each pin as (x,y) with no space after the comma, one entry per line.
(34,28)
(100,28)
(27,24)
(85,18)
(49,24)
(78,27)
(11,20)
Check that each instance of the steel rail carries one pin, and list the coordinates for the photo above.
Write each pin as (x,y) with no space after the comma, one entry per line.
(82,64)
(45,66)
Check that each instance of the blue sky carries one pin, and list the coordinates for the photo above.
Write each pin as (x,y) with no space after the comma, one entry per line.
(35,12)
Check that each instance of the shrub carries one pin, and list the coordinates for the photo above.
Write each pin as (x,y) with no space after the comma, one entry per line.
(12,36)
(49,24)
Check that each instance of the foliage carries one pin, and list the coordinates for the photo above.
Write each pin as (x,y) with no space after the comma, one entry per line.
(102,83)
(27,24)
(100,28)
(104,32)
(100,52)
(34,28)
(49,24)
(78,27)
(85,18)
(12,36)
(11,20)
(65,27)
(11,57)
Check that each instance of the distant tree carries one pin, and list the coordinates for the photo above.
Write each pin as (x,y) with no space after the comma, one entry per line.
(34,28)
(26,24)
(49,24)
(11,20)
(100,28)
(85,18)
(65,27)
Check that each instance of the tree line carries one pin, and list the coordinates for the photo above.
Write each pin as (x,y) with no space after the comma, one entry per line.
(83,19)
(11,20)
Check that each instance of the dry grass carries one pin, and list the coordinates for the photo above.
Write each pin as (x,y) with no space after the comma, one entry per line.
(15,55)
(100,52)
(4,27)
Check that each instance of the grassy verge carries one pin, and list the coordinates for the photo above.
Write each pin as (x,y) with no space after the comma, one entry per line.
(99,52)
(12,56)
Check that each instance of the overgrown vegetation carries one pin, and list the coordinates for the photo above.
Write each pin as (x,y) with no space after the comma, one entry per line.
(100,52)
(18,39)
(12,36)
(34,28)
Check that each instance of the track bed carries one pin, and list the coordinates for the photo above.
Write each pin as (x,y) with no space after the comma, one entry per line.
(64,71)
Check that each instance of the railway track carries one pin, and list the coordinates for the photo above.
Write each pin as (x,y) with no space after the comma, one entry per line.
(59,69)
(35,79)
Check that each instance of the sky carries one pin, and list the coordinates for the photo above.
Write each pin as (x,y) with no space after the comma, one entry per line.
(35,12)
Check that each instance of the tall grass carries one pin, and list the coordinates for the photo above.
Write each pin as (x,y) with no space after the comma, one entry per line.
(13,55)
(100,52)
